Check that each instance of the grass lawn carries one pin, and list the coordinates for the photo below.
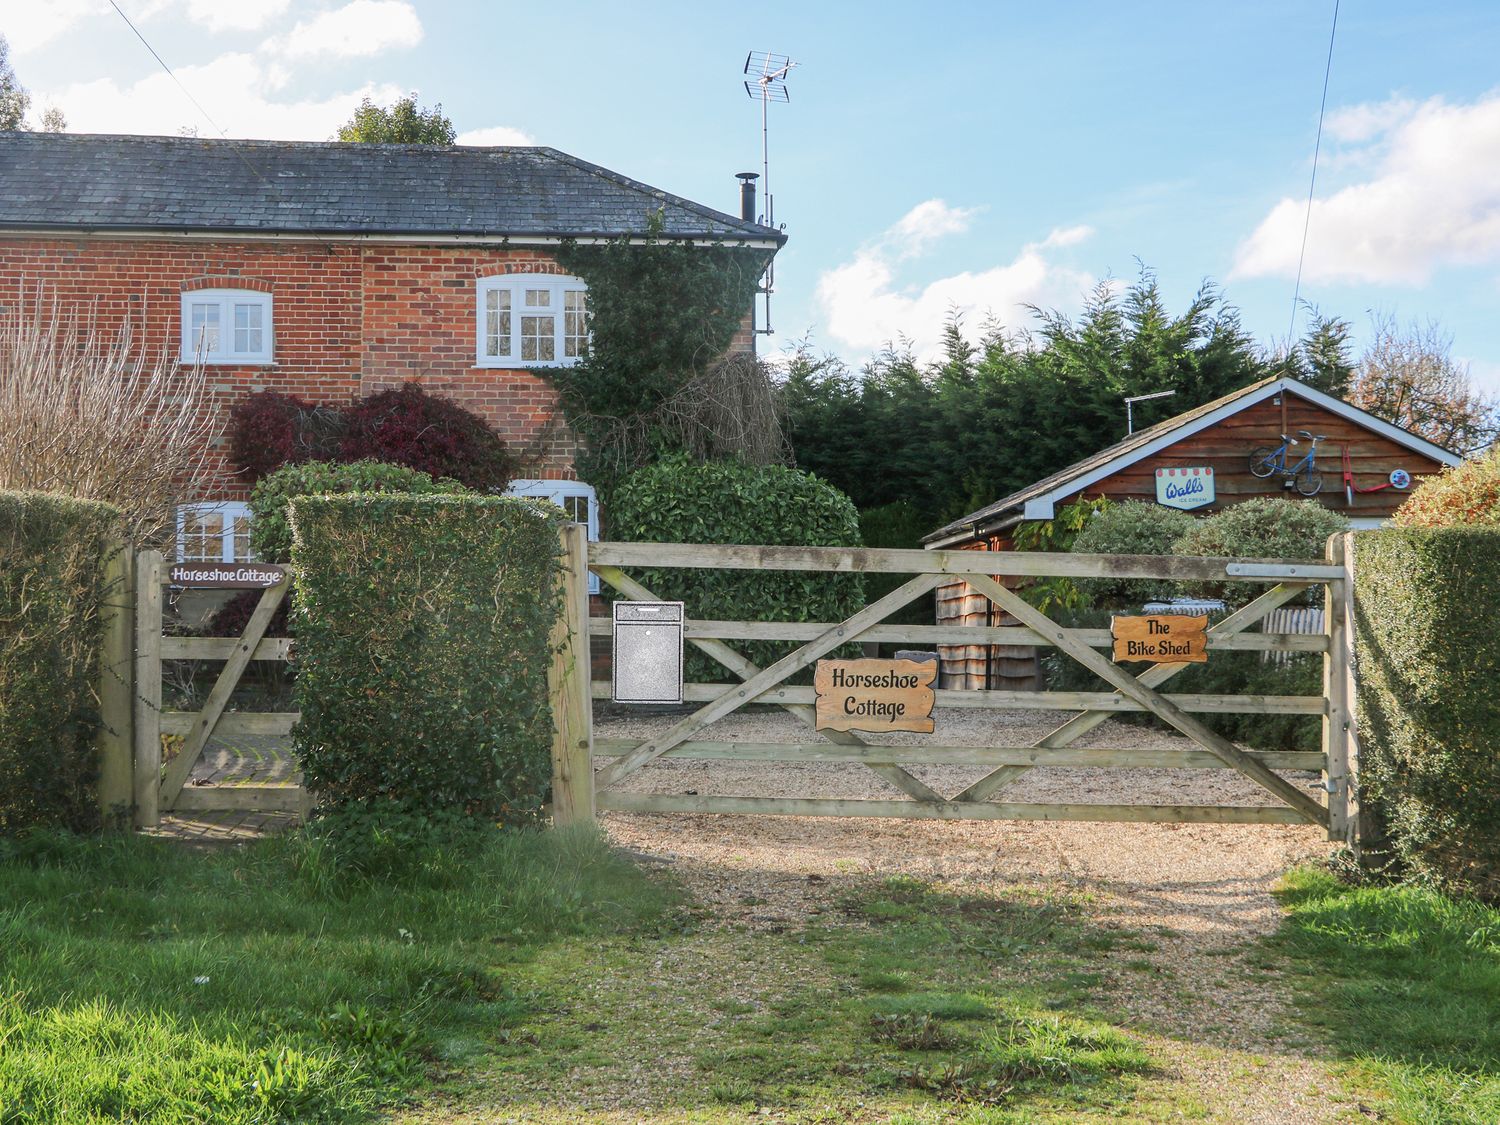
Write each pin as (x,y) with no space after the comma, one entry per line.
(543,978)
(1404,985)
(143,982)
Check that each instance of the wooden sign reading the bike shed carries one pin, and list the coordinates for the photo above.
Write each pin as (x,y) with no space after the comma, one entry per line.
(1167,638)
(875,695)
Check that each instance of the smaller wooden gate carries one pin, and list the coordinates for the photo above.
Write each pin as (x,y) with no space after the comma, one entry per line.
(165,788)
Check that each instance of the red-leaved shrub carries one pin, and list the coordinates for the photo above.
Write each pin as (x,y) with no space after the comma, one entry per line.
(272,429)
(407,426)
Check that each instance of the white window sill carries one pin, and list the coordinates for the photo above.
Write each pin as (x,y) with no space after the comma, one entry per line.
(521,364)
(222,361)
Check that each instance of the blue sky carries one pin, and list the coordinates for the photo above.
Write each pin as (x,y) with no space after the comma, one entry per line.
(983,155)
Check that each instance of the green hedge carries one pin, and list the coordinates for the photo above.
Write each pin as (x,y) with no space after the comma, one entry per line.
(1130,528)
(680,500)
(1267,527)
(422,651)
(52,555)
(1427,635)
(271,534)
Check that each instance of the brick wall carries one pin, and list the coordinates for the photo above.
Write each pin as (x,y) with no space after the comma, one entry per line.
(348,319)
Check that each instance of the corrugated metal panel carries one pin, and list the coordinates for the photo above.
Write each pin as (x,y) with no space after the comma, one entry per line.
(1291,619)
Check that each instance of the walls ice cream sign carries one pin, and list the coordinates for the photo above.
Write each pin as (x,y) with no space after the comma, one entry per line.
(1186,489)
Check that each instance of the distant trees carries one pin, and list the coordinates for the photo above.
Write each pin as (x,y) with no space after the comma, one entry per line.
(983,420)
(404,123)
(1408,376)
(15,100)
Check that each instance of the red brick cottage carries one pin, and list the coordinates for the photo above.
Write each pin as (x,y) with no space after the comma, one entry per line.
(330,270)
(1199,462)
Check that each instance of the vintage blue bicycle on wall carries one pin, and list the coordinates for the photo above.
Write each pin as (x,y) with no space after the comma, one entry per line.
(1265,461)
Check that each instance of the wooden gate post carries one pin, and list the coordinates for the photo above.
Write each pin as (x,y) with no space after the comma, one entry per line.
(116,689)
(1340,744)
(148,615)
(568,687)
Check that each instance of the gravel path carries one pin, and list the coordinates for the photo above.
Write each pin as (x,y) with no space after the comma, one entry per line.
(1202,891)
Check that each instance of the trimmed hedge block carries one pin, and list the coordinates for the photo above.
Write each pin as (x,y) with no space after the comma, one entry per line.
(271,534)
(680,500)
(53,551)
(422,627)
(1427,635)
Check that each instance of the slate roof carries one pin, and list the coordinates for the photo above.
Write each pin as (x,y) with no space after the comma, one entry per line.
(1138,443)
(139,183)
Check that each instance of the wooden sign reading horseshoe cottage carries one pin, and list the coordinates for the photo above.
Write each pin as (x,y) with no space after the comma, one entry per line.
(226,576)
(875,695)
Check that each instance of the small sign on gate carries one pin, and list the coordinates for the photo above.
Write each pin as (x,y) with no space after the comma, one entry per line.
(226,576)
(875,695)
(1167,638)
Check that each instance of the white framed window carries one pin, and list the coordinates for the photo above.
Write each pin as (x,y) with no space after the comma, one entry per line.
(531,320)
(217,531)
(226,326)
(574,497)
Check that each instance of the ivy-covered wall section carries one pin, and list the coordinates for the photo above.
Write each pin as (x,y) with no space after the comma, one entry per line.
(656,379)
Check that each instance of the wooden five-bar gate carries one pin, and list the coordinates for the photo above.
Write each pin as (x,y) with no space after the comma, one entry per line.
(581,785)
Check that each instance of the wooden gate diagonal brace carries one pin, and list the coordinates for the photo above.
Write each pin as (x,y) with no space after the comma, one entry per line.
(745,669)
(181,767)
(1079,725)
(1150,699)
(793,662)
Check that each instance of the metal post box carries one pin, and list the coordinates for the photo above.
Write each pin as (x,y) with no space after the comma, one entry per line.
(647,664)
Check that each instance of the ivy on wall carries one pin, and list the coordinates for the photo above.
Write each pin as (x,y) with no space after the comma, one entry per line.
(662,315)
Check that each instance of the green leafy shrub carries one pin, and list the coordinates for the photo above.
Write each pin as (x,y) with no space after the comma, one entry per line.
(1130,528)
(1225,673)
(1428,651)
(271,534)
(52,589)
(683,501)
(1263,528)
(422,651)
(1468,493)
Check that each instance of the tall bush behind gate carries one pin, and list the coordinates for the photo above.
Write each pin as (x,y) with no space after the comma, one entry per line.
(683,501)
(422,651)
(1427,637)
(52,589)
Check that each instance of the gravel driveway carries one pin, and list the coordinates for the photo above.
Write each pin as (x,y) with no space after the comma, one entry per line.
(1203,890)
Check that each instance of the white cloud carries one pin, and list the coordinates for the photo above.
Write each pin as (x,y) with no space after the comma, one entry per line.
(233,88)
(358,29)
(1432,200)
(240,15)
(865,305)
(31,25)
(1356,124)
(496,135)
(925,223)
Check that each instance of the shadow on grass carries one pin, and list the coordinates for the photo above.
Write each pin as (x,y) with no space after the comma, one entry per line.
(144,983)
(1405,984)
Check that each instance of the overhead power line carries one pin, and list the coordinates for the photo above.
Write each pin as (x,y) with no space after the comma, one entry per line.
(1313,181)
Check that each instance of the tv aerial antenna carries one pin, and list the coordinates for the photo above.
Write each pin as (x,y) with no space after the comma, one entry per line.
(765,82)
(1130,407)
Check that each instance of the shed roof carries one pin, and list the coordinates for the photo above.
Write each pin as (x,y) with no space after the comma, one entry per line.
(68,181)
(1036,501)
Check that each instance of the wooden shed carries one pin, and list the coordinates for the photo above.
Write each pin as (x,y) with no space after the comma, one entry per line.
(1199,462)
